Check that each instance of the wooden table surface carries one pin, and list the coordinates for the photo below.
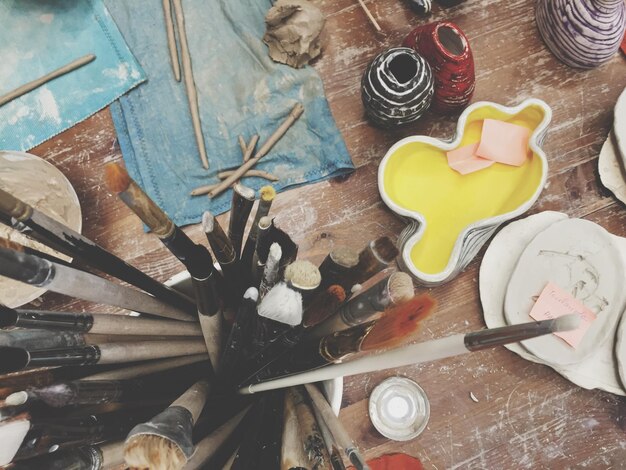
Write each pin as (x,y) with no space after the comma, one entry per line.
(527,415)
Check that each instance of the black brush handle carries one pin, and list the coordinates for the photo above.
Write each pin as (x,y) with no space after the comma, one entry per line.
(78,356)
(25,268)
(53,320)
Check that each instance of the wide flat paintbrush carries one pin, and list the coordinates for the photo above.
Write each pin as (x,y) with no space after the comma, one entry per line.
(15,359)
(266,197)
(232,269)
(375,257)
(241,205)
(279,311)
(196,258)
(393,290)
(389,331)
(166,440)
(73,244)
(425,352)
(336,428)
(95,323)
(40,272)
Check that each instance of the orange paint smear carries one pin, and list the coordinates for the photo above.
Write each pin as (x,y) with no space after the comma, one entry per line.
(394,462)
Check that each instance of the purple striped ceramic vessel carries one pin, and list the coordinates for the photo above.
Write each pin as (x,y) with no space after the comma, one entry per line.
(582,33)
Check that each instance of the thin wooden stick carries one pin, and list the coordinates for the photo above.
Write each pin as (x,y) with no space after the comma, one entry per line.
(171,38)
(295,113)
(370,16)
(250,148)
(258,173)
(192,95)
(243,145)
(199,191)
(30,86)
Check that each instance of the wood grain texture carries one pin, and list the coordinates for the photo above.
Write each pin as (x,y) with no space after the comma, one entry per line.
(527,416)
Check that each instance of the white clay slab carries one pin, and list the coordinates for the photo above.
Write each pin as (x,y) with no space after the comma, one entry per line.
(596,372)
(580,257)
(619,125)
(611,169)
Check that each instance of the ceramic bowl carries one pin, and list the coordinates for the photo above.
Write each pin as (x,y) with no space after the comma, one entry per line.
(333,389)
(451,215)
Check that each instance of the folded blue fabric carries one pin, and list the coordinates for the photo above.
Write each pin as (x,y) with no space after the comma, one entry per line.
(38,37)
(241,91)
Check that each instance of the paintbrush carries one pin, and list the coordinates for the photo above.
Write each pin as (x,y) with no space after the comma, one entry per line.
(336,267)
(73,244)
(279,311)
(240,337)
(15,359)
(165,442)
(241,205)
(266,197)
(293,455)
(304,277)
(375,257)
(196,258)
(323,305)
(336,428)
(312,441)
(389,331)
(97,392)
(270,271)
(328,300)
(226,256)
(391,291)
(336,461)
(95,323)
(146,368)
(288,246)
(91,457)
(40,339)
(262,249)
(69,281)
(218,445)
(425,352)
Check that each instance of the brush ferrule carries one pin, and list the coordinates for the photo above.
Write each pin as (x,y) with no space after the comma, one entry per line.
(78,356)
(491,337)
(341,344)
(53,320)
(206,295)
(25,268)
(361,308)
(13,207)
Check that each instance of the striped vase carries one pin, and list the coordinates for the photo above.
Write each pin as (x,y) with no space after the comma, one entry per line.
(582,33)
(397,87)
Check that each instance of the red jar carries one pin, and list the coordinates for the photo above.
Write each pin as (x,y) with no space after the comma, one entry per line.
(447,51)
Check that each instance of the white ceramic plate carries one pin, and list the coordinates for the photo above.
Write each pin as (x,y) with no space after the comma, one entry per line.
(611,168)
(619,125)
(44,187)
(620,349)
(598,371)
(580,257)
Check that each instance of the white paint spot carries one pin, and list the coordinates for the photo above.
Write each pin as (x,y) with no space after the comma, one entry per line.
(590,423)
(48,105)
(473,397)
(121,72)
(46,18)
(20,113)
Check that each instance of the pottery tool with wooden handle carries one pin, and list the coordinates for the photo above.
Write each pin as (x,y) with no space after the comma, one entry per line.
(267,194)
(95,323)
(166,440)
(65,240)
(425,352)
(55,277)
(241,205)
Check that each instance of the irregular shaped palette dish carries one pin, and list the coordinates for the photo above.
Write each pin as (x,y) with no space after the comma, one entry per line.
(452,215)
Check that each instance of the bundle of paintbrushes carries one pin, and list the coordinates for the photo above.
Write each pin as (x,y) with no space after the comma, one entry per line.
(158,389)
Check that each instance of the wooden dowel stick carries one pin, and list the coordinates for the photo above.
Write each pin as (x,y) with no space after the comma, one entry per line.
(204,189)
(30,86)
(295,113)
(171,38)
(370,16)
(243,145)
(192,95)
(258,173)
(250,148)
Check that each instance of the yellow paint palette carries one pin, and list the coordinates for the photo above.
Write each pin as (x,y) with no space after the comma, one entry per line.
(452,215)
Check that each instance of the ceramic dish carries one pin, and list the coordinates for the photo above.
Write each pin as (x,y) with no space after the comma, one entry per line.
(451,216)
(43,186)
(580,257)
(611,168)
(333,389)
(619,125)
(620,349)
(598,370)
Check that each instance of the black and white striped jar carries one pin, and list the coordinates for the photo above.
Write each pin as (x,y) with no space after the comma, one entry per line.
(397,87)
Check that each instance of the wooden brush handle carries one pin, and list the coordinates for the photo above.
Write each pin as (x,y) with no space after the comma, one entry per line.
(147,210)
(194,399)
(143,351)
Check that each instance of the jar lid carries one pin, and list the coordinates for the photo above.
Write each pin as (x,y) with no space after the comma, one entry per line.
(399,409)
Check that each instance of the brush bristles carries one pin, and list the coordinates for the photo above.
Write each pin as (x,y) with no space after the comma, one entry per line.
(282,304)
(6,243)
(398,323)
(116,178)
(268,193)
(208,222)
(303,274)
(384,249)
(148,451)
(400,287)
(345,256)
(566,322)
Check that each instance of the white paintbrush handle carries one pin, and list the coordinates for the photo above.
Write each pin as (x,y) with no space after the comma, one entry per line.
(408,355)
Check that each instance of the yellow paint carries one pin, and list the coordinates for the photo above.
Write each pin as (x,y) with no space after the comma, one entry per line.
(417,177)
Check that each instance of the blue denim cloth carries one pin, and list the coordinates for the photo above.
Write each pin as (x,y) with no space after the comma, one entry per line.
(37,37)
(241,91)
